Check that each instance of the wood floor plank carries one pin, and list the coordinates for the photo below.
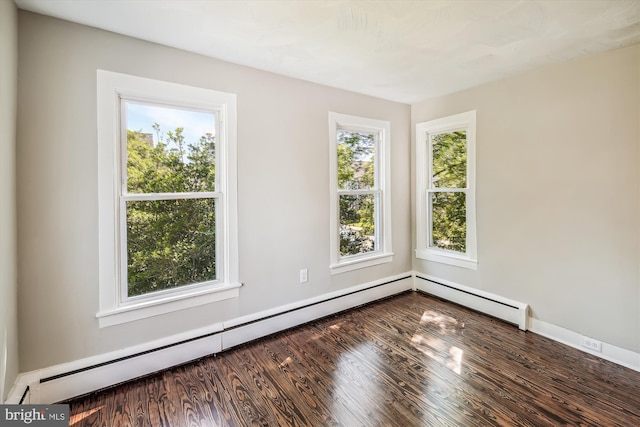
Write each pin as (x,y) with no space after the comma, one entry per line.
(410,360)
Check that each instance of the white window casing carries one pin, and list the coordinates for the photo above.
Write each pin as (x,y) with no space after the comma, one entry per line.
(115,307)
(424,188)
(381,192)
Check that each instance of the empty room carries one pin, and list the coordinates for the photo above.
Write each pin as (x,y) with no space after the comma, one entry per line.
(356,213)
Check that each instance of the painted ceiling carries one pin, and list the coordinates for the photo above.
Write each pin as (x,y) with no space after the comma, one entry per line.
(404,51)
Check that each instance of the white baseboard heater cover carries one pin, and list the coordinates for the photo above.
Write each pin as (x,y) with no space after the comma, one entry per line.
(61,382)
(494,305)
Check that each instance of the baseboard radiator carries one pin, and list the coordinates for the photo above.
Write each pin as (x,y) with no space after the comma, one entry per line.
(62,382)
(502,308)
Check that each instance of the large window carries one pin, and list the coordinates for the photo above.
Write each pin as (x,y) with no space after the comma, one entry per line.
(360,208)
(167,197)
(445,184)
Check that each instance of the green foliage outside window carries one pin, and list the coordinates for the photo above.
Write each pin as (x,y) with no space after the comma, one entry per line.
(172,242)
(356,171)
(448,208)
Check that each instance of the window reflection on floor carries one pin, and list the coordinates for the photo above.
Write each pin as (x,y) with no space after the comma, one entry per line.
(77,418)
(436,348)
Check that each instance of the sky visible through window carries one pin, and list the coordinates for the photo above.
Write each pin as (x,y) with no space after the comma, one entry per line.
(141,117)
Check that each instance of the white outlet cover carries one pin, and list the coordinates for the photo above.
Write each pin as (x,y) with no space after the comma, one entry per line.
(592,344)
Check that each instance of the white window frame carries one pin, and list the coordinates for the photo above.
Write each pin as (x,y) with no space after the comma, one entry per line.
(463,121)
(114,305)
(382,130)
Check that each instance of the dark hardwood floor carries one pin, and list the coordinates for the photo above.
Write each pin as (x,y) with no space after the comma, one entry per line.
(410,360)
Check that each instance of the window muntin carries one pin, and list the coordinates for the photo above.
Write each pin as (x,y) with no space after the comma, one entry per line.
(172,185)
(445,173)
(360,207)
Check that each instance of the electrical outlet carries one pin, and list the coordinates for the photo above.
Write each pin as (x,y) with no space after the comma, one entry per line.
(304,275)
(592,344)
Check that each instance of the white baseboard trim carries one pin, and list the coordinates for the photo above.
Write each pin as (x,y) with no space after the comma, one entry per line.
(64,381)
(239,331)
(100,377)
(481,301)
(494,305)
(67,380)
(612,353)
(19,393)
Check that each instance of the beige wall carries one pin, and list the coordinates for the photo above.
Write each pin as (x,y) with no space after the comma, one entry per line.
(558,185)
(8,260)
(283,191)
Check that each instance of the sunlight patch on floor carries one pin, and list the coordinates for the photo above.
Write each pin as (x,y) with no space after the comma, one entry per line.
(285,363)
(335,327)
(438,350)
(444,322)
(77,418)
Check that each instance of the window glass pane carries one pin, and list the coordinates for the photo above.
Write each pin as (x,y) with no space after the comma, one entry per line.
(357,224)
(169,150)
(356,160)
(449,154)
(449,221)
(170,243)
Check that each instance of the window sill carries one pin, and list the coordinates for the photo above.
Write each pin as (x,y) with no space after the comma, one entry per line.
(168,304)
(447,258)
(361,262)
